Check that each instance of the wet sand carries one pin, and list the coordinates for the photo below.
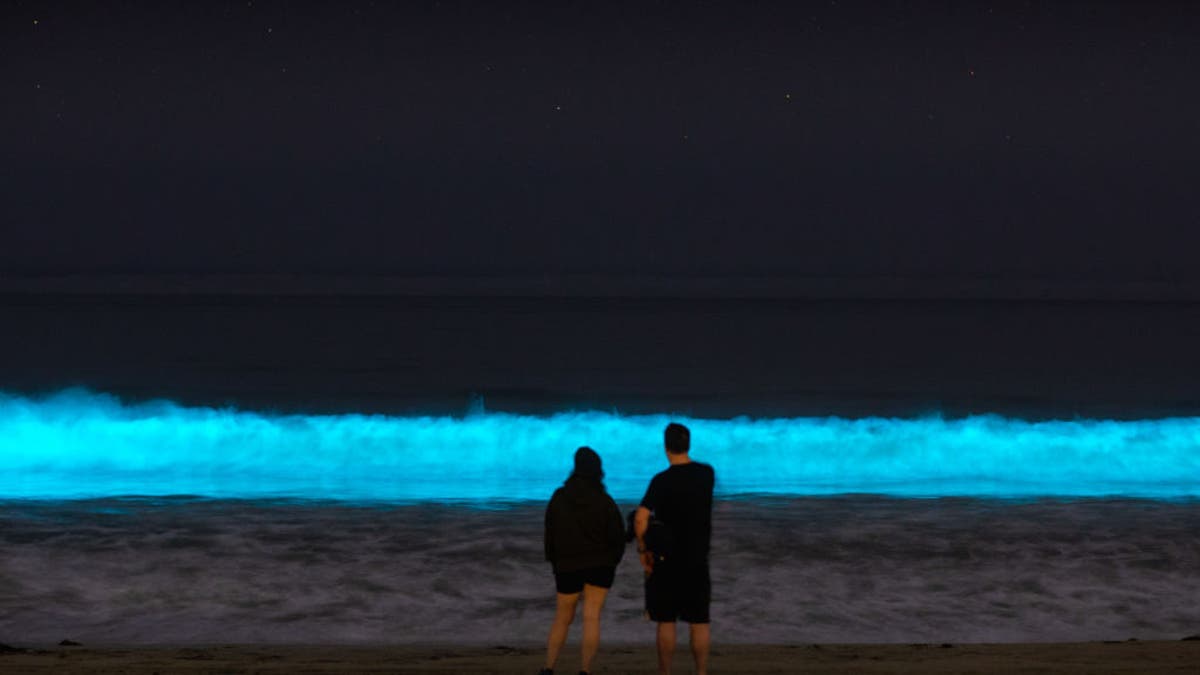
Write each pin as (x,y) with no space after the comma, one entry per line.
(1141,657)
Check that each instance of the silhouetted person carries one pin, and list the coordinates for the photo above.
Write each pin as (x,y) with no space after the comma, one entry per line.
(677,583)
(585,539)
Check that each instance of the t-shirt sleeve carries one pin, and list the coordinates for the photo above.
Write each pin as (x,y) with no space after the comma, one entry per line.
(653,494)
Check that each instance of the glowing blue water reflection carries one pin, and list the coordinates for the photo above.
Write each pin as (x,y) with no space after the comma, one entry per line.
(78,444)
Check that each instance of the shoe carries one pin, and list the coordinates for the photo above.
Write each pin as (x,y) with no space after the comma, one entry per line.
(546,671)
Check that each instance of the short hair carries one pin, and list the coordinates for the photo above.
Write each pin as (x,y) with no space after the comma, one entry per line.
(677,438)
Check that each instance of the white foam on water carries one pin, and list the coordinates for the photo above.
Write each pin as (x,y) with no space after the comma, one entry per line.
(79,444)
(785,570)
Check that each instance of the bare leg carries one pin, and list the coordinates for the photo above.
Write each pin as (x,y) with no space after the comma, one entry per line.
(700,638)
(593,602)
(666,646)
(564,613)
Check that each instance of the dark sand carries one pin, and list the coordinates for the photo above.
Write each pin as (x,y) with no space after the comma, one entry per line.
(1143,658)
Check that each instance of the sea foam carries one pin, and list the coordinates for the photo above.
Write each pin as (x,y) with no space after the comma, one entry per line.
(79,444)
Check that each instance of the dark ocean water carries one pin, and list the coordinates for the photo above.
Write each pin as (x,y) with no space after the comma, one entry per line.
(1004,527)
(705,358)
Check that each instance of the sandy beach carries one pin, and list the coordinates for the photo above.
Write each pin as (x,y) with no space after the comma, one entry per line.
(1141,657)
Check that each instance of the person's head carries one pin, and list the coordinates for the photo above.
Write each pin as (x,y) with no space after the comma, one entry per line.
(587,464)
(677,439)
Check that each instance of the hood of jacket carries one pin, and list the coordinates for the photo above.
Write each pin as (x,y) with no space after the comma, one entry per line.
(585,528)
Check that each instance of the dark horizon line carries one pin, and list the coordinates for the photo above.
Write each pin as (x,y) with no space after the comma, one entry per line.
(764,286)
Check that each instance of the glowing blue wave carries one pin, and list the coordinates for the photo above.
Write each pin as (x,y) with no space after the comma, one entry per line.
(77,444)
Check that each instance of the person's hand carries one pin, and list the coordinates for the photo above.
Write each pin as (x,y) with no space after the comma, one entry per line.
(647,559)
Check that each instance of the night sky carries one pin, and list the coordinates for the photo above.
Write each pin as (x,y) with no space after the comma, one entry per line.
(952,140)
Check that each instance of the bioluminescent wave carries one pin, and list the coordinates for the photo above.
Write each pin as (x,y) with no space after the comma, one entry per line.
(78,444)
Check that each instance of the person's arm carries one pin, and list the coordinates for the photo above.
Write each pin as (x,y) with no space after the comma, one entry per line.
(547,537)
(616,531)
(641,522)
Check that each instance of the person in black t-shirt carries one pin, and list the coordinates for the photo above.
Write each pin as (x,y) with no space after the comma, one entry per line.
(677,579)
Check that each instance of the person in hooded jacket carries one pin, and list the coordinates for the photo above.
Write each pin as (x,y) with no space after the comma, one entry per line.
(584,540)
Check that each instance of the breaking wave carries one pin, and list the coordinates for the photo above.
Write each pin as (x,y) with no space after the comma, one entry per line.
(78,444)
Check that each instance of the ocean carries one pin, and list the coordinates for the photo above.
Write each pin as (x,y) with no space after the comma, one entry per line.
(373,469)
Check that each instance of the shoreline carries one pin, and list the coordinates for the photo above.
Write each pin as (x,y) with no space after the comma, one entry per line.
(1130,656)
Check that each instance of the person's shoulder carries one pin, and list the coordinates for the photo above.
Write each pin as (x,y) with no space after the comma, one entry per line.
(655,488)
(704,472)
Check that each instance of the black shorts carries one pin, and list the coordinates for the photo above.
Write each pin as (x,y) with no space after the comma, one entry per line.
(678,592)
(572,582)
